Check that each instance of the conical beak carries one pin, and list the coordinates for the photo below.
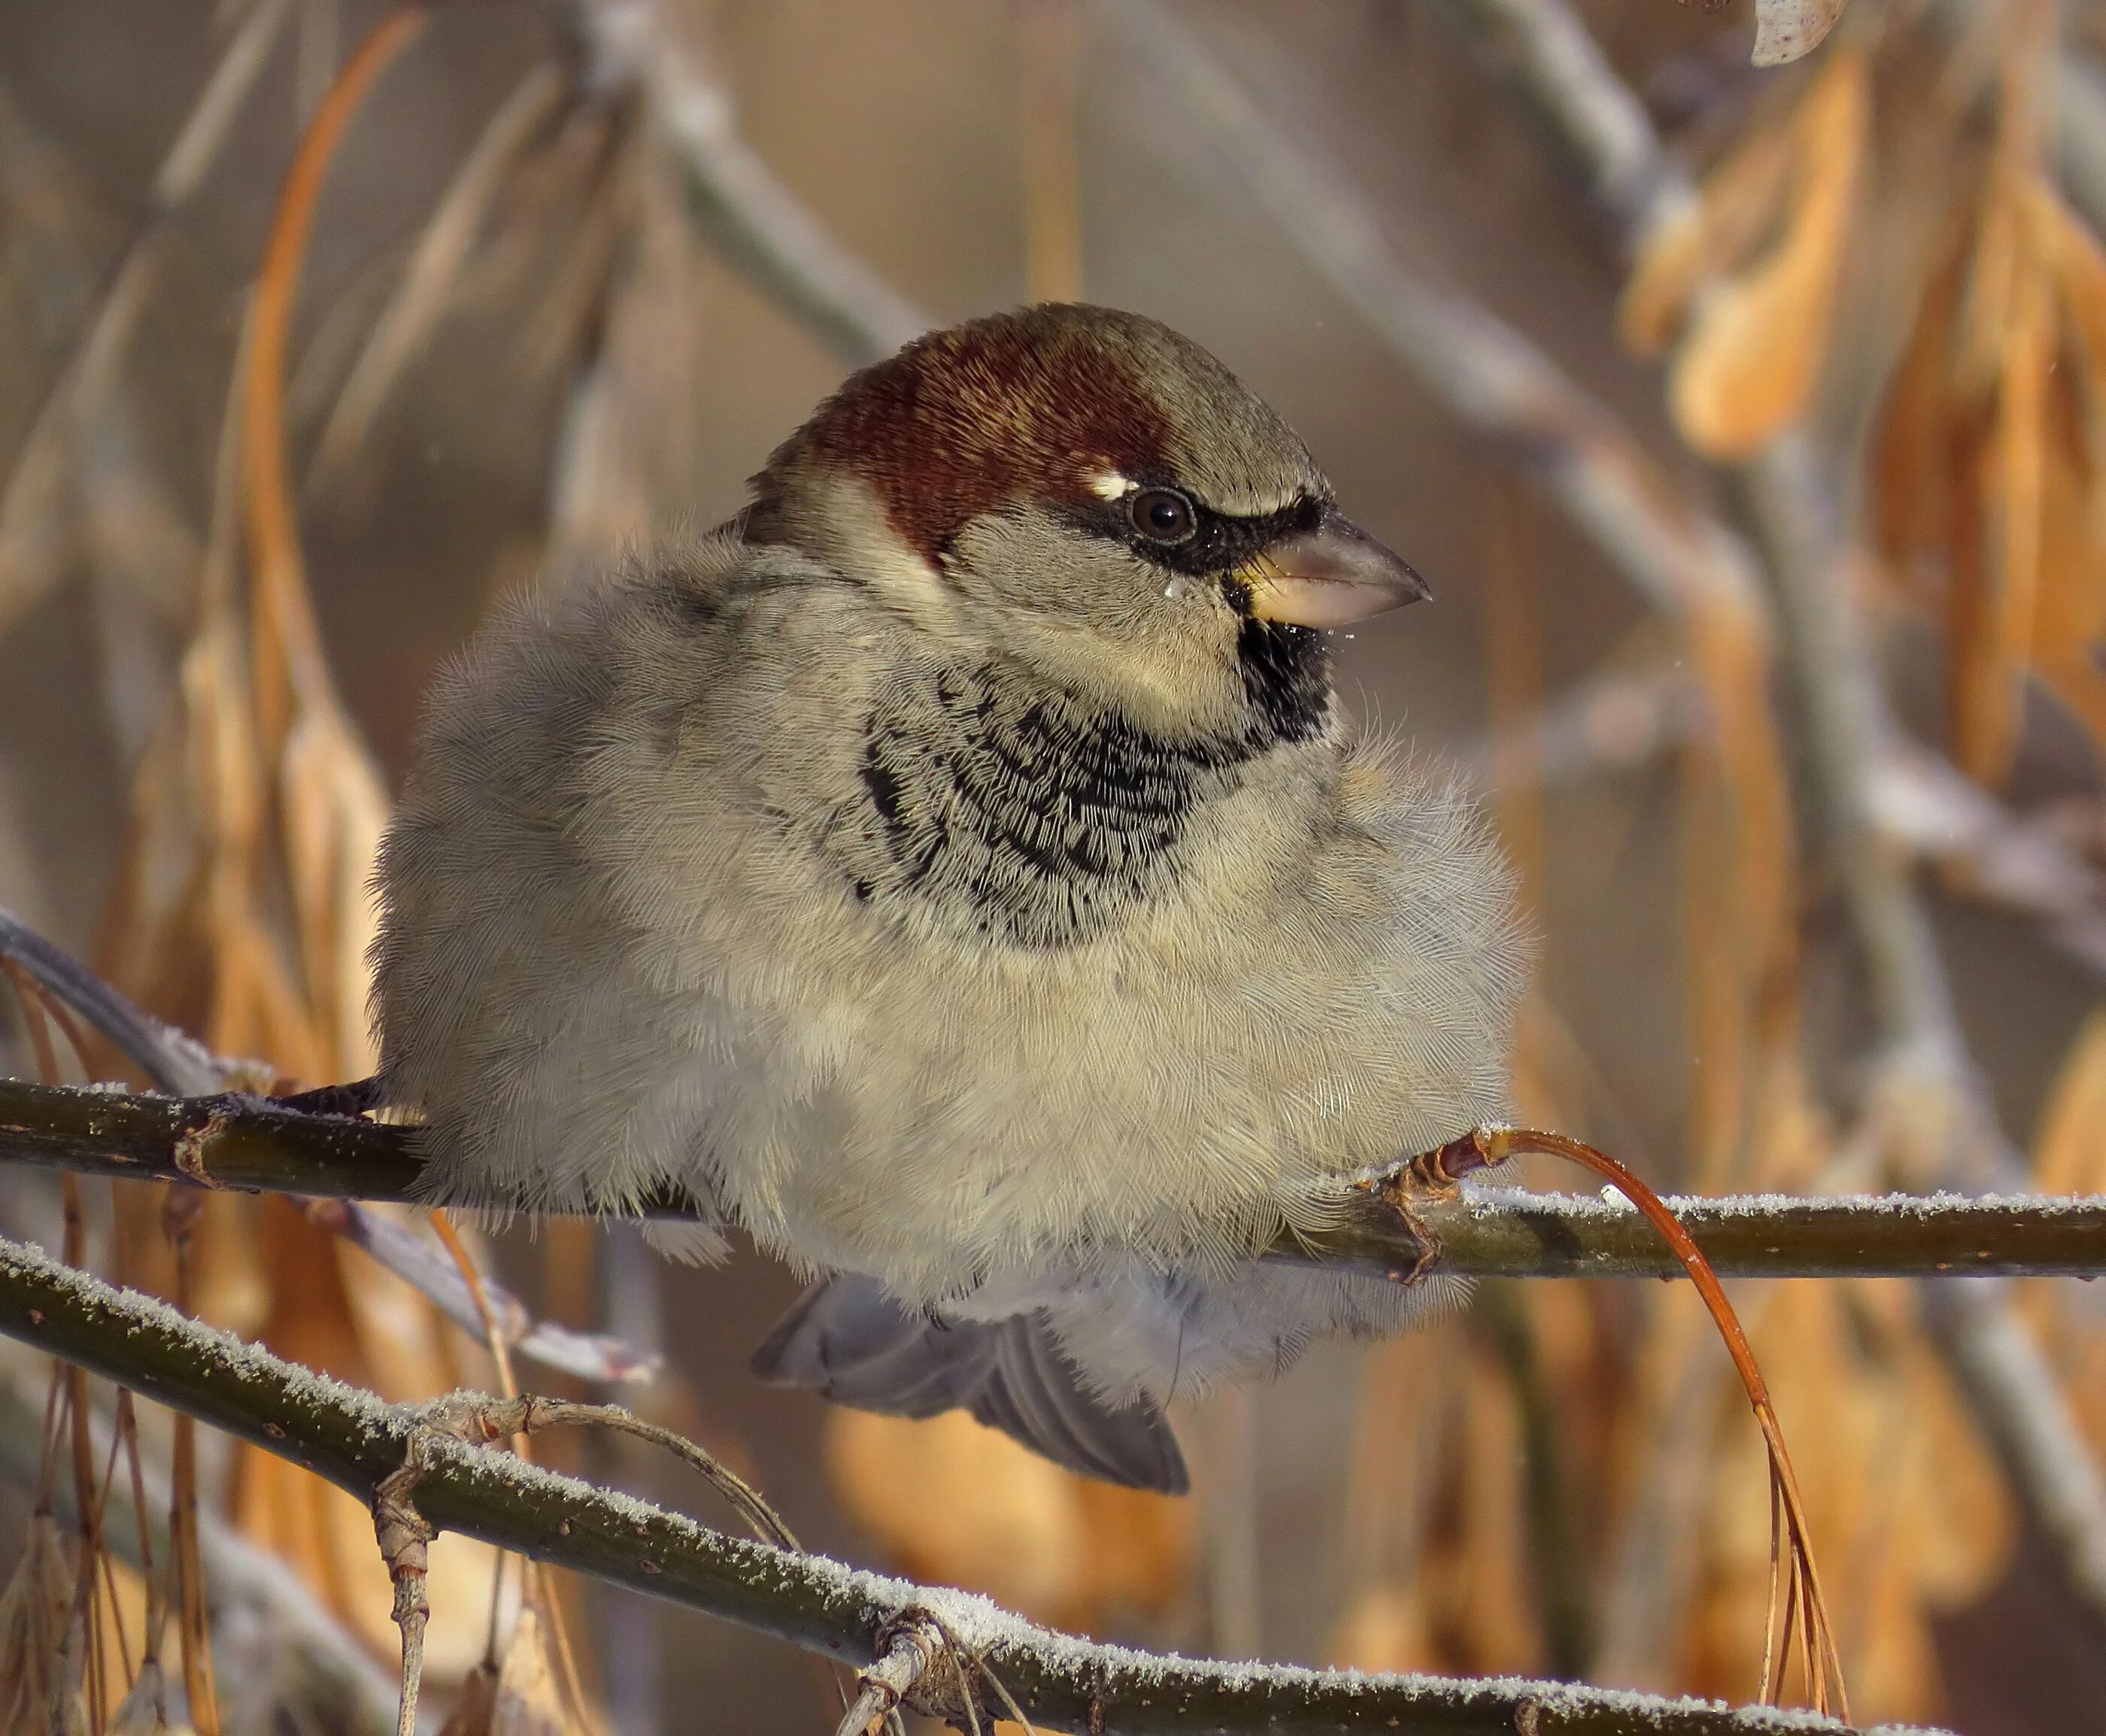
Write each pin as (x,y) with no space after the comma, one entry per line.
(1331,577)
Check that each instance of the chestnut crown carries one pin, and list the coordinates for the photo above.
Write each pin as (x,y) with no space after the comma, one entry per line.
(1042,406)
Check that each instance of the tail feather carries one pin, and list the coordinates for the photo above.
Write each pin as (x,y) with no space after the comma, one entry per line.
(848,1341)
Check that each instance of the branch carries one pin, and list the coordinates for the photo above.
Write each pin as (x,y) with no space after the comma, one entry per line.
(253,1144)
(756,222)
(355,1441)
(2009,1385)
(1920,800)
(1543,51)
(37,480)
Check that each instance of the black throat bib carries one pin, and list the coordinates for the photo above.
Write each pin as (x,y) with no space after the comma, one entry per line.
(1001,805)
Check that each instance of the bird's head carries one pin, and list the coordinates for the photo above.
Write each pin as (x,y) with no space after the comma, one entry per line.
(1088,491)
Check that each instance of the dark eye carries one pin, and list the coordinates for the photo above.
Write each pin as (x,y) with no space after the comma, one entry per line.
(1163,515)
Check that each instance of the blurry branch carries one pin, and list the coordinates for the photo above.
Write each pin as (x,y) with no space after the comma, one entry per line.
(2010,1388)
(355,1441)
(443,248)
(1545,53)
(1049,36)
(1560,1574)
(250,1589)
(252,1144)
(1485,371)
(173,1061)
(1951,1130)
(756,223)
(1920,801)
(35,487)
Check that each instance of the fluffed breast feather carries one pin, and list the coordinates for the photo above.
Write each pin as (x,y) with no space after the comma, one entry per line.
(627,945)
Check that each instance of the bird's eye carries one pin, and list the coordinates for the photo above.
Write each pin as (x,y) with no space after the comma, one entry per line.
(1163,515)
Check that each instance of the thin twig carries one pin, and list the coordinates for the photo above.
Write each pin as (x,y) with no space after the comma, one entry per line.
(176,1063)
(537,1590)
(413,311)
(35,479)
(179,1218)
(356,1442)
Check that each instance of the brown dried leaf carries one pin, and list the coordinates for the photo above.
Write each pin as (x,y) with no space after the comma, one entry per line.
(1482,1563)
(1385,1629)
(38,1677)
(335,810)
(2069,1151)
(1922,420)
(954,1501)
(2079,264)
(1754,349)
(2069,613)
(1995,622)
(1738,204)
(1787,30)
(962,1505)
(2070,616)
(1139,1550)
(523,1696)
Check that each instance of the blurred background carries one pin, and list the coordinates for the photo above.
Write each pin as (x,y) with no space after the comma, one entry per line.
(1751,425)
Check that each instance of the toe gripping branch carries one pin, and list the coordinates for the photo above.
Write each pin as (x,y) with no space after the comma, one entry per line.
(1435,1175)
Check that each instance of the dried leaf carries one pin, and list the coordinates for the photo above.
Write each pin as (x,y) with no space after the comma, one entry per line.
(1787,30)
(954,1501)
(144,1711)
(1738,204)
(1993,638)
(963,1504)
(523,1696)
(38,1675)
(1385,1629)
(1748,366)
(335,810)
(2069,1153)
(1921,420)
(2079,264)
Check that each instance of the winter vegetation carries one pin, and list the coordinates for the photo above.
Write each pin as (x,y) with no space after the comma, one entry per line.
(1739,376)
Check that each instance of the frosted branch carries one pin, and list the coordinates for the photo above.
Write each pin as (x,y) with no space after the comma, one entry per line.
(355,1440)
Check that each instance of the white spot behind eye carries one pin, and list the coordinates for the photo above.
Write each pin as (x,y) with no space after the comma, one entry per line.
(1111,486)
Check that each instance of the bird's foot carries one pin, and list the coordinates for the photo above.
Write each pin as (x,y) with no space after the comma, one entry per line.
(1435,1176)
(356,1098)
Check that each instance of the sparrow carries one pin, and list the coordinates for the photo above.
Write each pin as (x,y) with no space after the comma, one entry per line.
(958,873)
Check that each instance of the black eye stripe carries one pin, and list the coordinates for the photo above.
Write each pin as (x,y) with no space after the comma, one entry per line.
(1219,542)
